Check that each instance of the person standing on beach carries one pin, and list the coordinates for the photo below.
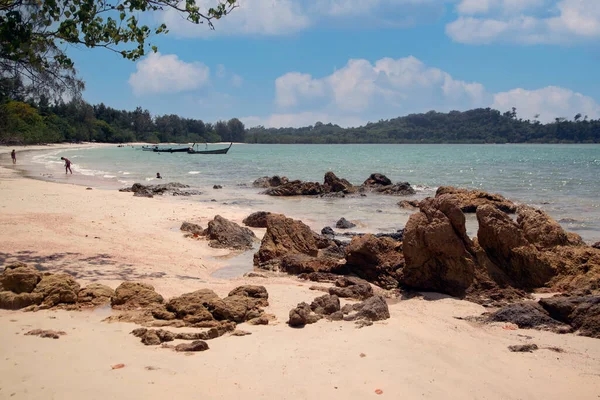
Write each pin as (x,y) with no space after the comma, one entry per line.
(13,155)
(67,165)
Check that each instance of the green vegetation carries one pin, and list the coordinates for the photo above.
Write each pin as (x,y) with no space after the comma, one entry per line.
(473,126)
(34,34)
(25,121)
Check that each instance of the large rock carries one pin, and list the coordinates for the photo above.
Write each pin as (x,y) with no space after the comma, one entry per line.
(343,223)
(374,308)
(257,219)
(326,304)
(331,183)
(542,231)
(377,260)
(437,250)
(285,236)
(507,247)
(296,188)
(470,200)
(12,301)
(58,289)
(296,264)
(377,179)
(302,315)
(270,181)
(581,312)
(259,293)
(192,228)
(525,315)
(397,189)
(95,294)
(223,233)
(135,294)
(196,306)
(239,309)
(350,287)
(20,278)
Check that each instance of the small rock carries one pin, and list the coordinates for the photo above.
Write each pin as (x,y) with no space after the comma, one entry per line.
(46,333)
(217,187)
(343,223)
(523,348)
(239,332)
(196,345)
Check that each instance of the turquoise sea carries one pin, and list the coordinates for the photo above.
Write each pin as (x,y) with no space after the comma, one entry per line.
(564,180)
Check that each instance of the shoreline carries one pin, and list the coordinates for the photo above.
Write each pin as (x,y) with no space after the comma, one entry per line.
(106,236)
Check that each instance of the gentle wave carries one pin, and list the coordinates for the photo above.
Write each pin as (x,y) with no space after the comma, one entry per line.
(194,172)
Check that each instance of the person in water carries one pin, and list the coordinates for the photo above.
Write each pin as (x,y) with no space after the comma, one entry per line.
(67,165)
(158,175)
(13,155)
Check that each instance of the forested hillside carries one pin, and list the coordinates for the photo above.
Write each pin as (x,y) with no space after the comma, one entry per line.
(27,121)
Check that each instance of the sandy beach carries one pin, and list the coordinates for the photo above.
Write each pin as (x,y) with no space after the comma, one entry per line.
(104,236)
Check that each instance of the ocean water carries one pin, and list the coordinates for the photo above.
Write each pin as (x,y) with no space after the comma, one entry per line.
(564,180)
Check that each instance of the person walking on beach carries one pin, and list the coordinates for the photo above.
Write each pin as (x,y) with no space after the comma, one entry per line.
(13,155)
(67,165)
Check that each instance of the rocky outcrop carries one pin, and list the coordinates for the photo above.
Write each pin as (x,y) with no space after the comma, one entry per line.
(438,253)
(326,304)
(377,260)
(382,184)
(12,301)
(581,312)
(296,188)
(333,184)
(301,263)
(95,294)
(470,200)
(58,289)
(270,181)
(351,288)
(542,231)
(377,179)
(130,295)
(257,219)
(343,223)
(172,188)
(302,315)
(223,233)
(192,228)
(287,237)
(374,308)
(259,293)
(526,316)
(20,278)
(507,247)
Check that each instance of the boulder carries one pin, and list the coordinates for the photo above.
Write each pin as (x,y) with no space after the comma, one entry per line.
(374,308)
(20,278)
(223,233)
(95,294)
(285,236)
(507,247)
(344,224)
(328,232)
(296,188)
(196,306)
(470,200)
(238,309)
(525,315)
(437,249)
(397,189)
(12,301)
(57,289)
(301,263)
(351,288)
(331,183)
(135,294)
(377,179)
(325,305)
(257,219)
(302,315)
(377,260)
(581,312)
(196,345)
(259,293)
(192,228)
(542,231)
(268,182)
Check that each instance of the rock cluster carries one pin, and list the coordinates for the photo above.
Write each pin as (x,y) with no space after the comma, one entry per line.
(470,200)
(222,233)
(24,286)
(382,184)
(172,188)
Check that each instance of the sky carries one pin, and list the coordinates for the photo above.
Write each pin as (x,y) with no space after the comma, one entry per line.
(282,63)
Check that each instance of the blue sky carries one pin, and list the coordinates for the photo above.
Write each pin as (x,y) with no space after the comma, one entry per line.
(293,63)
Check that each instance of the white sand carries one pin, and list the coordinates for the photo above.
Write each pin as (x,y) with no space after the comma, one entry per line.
(422,352)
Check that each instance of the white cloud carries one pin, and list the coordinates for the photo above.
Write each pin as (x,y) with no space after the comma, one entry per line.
(363,91)
(295,120)
(159,73)
(253,17)
(387,84)
(549,103)
(525,21)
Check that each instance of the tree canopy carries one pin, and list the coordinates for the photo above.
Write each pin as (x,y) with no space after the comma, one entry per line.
(34,35)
